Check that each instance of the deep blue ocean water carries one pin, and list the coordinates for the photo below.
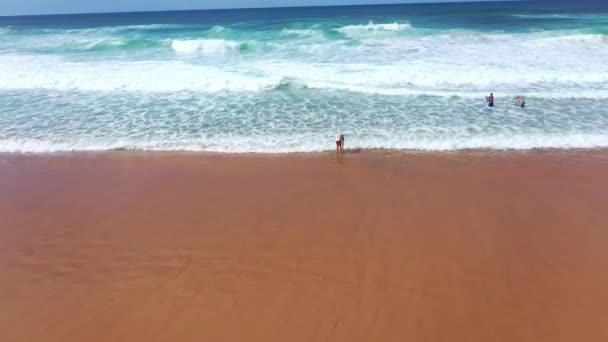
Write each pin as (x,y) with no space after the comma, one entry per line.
(290,79)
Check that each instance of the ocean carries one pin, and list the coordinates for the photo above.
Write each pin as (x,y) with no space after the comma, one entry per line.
(408,77)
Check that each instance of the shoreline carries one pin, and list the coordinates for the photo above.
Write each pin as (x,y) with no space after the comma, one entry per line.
(347,151)
(368,246)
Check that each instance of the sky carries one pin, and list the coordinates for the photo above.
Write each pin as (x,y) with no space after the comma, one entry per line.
(29,7)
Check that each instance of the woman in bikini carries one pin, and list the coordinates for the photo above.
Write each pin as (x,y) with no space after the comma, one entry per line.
(340,143)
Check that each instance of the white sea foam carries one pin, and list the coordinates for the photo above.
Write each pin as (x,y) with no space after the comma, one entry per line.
(20,72)
(415,77)
(303,33)
(375,27)
(205,46)
(313,143)
(358,31)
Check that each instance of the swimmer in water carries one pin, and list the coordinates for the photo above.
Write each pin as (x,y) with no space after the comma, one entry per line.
(520,102)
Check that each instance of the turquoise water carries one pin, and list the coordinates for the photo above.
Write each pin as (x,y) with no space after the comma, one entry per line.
(289,80)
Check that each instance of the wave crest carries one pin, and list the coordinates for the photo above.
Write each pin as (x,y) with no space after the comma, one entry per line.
(206,46)
(104,44)
(303,33)
(355,31)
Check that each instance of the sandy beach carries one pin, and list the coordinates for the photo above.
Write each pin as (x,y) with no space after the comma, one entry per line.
(367,246)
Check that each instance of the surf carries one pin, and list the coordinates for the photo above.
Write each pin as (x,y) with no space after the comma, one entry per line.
(206,46)
(387,77)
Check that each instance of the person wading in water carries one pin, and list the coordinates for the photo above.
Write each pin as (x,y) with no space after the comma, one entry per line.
(340,143)
(490,100)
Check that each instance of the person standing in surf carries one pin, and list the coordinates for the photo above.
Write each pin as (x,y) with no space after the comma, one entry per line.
(340,143)
(490,100)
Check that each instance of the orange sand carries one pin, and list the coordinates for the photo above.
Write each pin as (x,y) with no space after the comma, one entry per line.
(370,246)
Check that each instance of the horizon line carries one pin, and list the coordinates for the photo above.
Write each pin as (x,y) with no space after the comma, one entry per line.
(263,8)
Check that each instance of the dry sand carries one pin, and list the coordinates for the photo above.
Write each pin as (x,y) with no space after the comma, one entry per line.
(370,246)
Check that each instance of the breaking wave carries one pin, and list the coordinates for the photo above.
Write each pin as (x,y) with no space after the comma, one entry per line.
(359,31)
(206,46)
(421,78)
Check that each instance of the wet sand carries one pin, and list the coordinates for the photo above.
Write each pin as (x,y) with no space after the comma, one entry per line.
(370,246)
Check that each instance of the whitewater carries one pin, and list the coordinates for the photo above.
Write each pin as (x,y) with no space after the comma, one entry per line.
(289,80)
